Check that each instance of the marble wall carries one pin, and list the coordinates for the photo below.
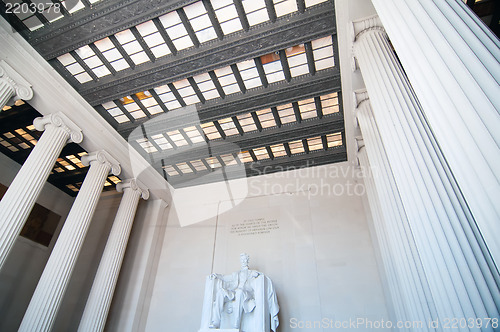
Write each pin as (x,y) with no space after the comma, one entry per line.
(306,229)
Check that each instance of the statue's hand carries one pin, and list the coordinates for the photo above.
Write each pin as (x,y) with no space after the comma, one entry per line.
(214,276)
(255,274)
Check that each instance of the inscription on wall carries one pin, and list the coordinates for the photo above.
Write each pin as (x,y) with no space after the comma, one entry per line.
(256,226)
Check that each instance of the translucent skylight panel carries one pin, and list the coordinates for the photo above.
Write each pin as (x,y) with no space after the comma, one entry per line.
(261,153)
(184,168)
(286,113)
(228,159)
(199,20)
(330,103)
(297,60)
(66,59)
(296,147)
(131,46)
(74,7)
(227,80)
(213,162)
(228,126)
(72,187)
(74,68)
(114,179)
(307,109)
(274,71)
(111,53)
(176,30)
(33,23)
(132,107)
(194,134)
(151,104)
(92,61)
(177,138)
(23,145)
(153,39)
(162,142)
(210,130)
(146,145)
(266,118)
(334,139)
(170,170)
(167,97)
(57,169)
(247,123)
(51,12)
(198,165)
(186,91)
(26,136)
(249,74)
(206,86)
(278,150)
(310,3)
(227,16)
(285,7)
(245,157)
(75,160)
(315,143)
(115,112)
(323,53)
(256,11)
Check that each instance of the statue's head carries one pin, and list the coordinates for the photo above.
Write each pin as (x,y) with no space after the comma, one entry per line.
(244,258)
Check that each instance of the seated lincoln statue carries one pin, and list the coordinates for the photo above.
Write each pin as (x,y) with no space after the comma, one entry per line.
(242,301)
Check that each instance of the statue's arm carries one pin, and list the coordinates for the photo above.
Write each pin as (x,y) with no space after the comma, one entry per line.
(214,276)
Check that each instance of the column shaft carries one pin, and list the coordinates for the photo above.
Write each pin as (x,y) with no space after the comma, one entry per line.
(394,222)
(101,294)
(451,60)
(459,279)
(393,284)
(49,292)
(21,196)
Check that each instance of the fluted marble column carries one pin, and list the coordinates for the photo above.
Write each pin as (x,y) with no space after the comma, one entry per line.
(101,294)
(393,284)
(21,196)
(452,61)
(12,85)
(49,292)
(391,221)
(460,280)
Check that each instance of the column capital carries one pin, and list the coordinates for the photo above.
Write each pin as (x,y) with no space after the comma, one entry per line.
(104,158)
(367,24)
(134,184)
(21,87)
(60,120)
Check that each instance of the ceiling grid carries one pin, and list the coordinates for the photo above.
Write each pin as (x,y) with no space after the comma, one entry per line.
(197,87)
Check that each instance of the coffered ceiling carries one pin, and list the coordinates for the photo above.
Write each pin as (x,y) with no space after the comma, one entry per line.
(242,87)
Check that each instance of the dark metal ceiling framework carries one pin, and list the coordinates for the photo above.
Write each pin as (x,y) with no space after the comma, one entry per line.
(18,137)
(205,90)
